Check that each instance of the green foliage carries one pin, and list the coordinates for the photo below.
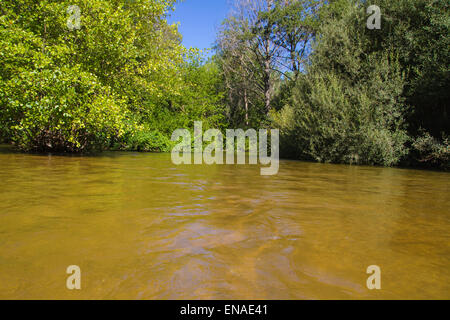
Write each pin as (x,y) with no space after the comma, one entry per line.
(428,151)
(123,71)
(199,98)
(145,141)
(348,107)
(124,81)
(61,110)
(418,30)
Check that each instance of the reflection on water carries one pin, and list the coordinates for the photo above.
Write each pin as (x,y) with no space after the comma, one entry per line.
(141,228)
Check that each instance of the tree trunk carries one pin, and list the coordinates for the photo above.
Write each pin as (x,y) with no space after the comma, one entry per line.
(267,86)
(246,106)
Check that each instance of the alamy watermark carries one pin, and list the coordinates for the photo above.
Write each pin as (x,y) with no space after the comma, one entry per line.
(73,282)
(374,21)
(374,281)
(74,21)
(236,142)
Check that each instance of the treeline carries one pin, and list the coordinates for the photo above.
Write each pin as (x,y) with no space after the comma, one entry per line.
(103,75)
(338,91)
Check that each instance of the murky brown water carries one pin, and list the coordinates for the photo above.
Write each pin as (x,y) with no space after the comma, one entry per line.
(141,228)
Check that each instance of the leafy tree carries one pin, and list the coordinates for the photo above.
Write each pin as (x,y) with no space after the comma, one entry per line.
(111,80)
(418,30)
(198,97)
(348,107)
(260,44)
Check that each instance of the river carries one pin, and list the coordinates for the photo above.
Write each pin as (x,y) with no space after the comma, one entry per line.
(140,227)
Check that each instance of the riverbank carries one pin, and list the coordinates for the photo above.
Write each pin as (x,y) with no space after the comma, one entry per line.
(415,165)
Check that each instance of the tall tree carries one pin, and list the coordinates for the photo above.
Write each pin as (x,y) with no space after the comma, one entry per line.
(268,40)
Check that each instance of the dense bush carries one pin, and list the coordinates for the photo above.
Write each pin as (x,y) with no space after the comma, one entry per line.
(428,151)
(143,139)
(61,110)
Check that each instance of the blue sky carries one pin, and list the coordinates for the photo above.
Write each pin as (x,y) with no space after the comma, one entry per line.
(199,20)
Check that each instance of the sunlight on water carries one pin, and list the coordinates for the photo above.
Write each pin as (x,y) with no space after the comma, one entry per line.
(142,228)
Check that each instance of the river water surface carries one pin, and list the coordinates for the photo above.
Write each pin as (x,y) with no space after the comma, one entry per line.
(141,228)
